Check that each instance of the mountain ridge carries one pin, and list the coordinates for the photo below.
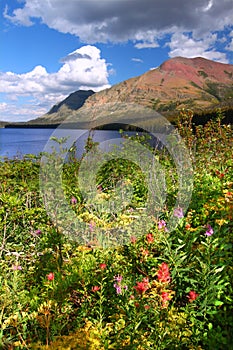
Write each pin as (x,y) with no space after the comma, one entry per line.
(179,83)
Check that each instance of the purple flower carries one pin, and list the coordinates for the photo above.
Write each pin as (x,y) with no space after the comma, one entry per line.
(161,224)
(118,288)
(73,200)
(38,232)
(178,212)
(118,278)
(16,267)
(209,231)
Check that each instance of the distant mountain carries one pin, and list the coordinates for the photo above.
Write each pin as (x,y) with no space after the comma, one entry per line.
(191,83)
(73,101)
(59,111)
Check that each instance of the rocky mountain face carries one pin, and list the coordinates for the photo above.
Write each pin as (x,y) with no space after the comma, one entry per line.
(197,83)
(73,101)
(178,83)
(62,109)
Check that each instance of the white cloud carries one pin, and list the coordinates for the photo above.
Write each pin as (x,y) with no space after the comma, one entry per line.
(208,6)
(148,24)
(135,59)
(147,45)
(113,20)
(82,69)
(185,46)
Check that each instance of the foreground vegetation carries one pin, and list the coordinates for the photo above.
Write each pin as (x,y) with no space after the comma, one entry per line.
(161,290)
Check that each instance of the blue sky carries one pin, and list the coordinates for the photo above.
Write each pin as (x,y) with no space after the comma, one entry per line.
(51,48)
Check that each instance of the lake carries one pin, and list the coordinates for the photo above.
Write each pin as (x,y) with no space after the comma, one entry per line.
(16,142)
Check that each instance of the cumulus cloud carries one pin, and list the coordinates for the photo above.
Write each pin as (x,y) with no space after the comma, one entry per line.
(102,21)
(188,27)
(184,45)
(81,69)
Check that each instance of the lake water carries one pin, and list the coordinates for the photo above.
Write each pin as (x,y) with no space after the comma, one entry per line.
(16,142)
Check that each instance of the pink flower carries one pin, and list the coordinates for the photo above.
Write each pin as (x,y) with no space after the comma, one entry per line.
(150,238)
(118,278)
(133,239)
(73,200)
(118,288)
(178,212)
(161,224)
(192,296)
(103,266)
(50,276)
(95,289)
(38,232)
(209,231)
(16,267)
(163,273)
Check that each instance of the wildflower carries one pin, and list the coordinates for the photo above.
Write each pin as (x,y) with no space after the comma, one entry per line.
(118,278)
(150,238)
(209,231)
(146,307)
(73,200)
(165,298)
(50,276)
(178,212)
(187,226)
(133,239)
(92,226)
(118,288)
(145,252)
(95,289)
(145,280)
(99,188)
(163,273)
(103,266)
(16,267)
(38,232)
(192,296)
(161,224)
(142,287)
(117,285)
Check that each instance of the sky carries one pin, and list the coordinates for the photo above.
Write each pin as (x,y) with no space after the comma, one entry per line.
(51,48)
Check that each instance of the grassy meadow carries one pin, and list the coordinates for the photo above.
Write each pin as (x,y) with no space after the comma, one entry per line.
(159,290)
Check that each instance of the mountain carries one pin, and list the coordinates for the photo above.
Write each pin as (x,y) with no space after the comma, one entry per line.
(192,83)
(60,111)
(73,101)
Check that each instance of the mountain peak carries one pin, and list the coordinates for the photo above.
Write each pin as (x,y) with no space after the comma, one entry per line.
(74,101)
